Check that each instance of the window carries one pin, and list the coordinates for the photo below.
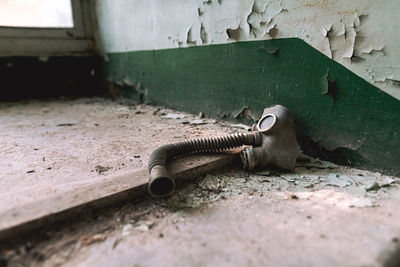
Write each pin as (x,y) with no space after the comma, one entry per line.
(36,13)
(45,27)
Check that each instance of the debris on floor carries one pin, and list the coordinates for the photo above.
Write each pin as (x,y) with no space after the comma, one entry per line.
(66,124)
(322,214)
(338,180)
(388,181)
(87,240)
(174,116)
(197,122)
(102,169)
(242,126)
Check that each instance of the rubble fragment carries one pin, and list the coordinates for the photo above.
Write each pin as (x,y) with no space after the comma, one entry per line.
(173,116)
(67,124)
(87,240)
(241,126)
(339,180)
(197,122)
(373,187)
(376,186)
(101,169)
(145,226)
(264,173)
(127,229)
(361,203)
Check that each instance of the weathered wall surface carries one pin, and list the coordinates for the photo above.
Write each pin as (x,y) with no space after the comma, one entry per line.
(337,114)
(360,34)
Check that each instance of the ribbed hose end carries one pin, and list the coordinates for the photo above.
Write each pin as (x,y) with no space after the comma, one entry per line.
(161,184)
(247,156)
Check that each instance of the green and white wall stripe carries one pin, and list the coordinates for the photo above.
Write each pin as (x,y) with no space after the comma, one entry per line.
(340,112)
(362,35)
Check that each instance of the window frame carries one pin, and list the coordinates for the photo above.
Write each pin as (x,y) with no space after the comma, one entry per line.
(15,41)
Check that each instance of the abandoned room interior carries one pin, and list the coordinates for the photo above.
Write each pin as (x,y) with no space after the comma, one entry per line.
(199,133)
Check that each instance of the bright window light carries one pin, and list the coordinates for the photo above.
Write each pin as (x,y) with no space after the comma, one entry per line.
(36,13)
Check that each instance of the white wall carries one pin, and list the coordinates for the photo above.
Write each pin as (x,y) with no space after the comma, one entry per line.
(362,35)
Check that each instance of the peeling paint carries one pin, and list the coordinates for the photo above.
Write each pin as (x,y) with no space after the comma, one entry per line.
(194,34)
(392,81)
(272,50)
(329,86)
(359,34)
(243,113)
(336,112)
(261,19)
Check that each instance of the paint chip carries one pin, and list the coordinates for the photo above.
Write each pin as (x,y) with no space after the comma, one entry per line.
(173,116)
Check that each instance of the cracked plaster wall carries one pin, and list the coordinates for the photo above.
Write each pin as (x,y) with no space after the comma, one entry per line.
(360,34)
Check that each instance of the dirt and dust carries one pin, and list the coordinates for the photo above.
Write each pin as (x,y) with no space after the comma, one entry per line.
(50,146)
(320,215)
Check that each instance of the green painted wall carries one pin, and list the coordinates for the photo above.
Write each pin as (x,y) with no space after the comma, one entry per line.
(338,115)
(362,35)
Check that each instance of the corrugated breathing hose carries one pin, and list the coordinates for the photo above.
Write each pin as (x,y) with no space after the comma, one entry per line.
(162,184)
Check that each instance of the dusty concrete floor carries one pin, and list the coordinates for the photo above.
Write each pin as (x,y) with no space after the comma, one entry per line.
(321,215)
(49,147)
